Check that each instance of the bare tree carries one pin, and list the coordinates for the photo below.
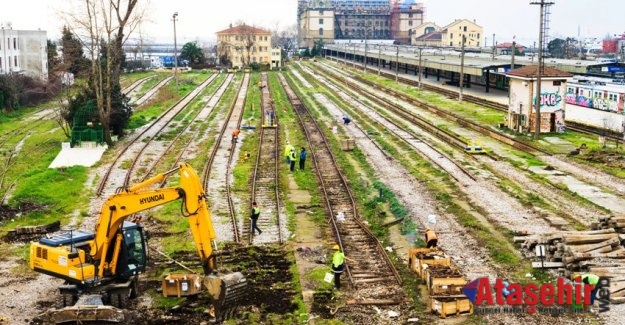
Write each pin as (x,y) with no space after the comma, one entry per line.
(104,26)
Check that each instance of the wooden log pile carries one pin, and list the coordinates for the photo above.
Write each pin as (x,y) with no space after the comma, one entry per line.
(599,252)
(618,223)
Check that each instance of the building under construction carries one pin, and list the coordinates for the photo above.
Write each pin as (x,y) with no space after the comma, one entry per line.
(358,19)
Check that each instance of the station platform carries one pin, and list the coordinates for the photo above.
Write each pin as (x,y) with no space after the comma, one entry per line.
(86,155)
(494,95)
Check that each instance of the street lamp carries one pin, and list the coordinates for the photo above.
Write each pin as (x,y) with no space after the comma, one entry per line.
(420,67)
(174,18)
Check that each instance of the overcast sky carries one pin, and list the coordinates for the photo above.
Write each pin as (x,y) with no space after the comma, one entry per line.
(200,19)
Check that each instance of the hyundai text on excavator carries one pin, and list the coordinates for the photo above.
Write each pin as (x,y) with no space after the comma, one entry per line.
(101,269)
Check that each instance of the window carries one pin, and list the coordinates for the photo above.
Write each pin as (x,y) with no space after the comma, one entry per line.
(321,12)
(15,60)
(598,94)
(0,64)
(465,28)
(409,15)
(478,36)
(9,62)
(14,43)
(320,31)
(320,21)
(451,44)
(570,90)
(346,23)
(451,35)
(410,23)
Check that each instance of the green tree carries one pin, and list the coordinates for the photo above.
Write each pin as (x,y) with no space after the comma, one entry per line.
(557,48)
(53,60)
(74,60)
(193,53)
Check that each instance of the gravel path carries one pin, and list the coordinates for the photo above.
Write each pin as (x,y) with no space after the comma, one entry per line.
(587,173)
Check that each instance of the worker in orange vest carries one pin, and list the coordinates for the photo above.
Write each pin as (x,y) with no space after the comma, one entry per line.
(235,135)
(430,238)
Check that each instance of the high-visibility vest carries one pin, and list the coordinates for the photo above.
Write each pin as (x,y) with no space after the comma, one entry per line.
(293,157)
(287,150)
(429,235)
(592,279)
(338,259)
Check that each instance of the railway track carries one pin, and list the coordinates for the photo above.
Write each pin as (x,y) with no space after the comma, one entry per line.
(372,274)
(127,159)
(152,92)
(224,150)
(265,178)
(135,84)
(184,131)
(577,127)
(526,147)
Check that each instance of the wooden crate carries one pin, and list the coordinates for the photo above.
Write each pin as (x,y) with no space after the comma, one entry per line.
(181,285)
(444,280)
(348,145)
(450,306)
(419,257)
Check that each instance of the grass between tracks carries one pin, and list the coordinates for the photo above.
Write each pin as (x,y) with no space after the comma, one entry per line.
(496,239)
(127,79)
(166,97)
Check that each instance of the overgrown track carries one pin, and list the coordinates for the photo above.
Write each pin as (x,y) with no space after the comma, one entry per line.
(415,119)
(136,84)
(227,147)
(265,179)
(611,135)
(526,147)
(152,91)
(140,142)
(221,89)
(371,273)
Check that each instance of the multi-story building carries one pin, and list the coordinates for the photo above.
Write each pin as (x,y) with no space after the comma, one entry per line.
(276,57)
(357,19)
(242,45)
(24,52)
(316,24)
(429,34)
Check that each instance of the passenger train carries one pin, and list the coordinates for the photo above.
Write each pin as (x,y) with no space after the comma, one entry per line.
(598,93)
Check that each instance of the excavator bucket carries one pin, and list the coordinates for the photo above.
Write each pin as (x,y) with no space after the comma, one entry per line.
(88,309)
(227,291)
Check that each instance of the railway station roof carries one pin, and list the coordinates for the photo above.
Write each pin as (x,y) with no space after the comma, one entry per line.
(531,71)
(474,63)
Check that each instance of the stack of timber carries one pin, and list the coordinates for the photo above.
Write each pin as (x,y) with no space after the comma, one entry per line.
(443,280)
(618,223)
(599,252)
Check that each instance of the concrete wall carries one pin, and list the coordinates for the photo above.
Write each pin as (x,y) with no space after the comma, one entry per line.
(33,47)
(594,117)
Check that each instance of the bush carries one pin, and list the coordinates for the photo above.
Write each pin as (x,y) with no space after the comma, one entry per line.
(19,90)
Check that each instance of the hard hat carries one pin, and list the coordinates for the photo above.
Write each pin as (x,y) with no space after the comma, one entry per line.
(336,247)
(575,276)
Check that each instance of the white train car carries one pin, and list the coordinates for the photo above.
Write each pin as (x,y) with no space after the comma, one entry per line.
(596,102)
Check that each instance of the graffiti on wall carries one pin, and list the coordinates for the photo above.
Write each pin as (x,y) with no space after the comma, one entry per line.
(550,101)
(596,102)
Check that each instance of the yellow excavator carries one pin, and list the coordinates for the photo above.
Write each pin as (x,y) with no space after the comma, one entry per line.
(101,269)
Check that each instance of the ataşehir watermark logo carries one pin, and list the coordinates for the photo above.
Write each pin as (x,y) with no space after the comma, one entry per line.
(528,298)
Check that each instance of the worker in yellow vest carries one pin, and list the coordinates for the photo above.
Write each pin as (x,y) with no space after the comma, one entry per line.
(430,238)
(287,152)
(589,279)
(338,265)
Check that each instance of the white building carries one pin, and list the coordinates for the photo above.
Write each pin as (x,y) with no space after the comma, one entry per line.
(276,57)
(24,52)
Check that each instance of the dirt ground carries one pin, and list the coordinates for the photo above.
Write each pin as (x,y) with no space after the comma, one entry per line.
(611,159)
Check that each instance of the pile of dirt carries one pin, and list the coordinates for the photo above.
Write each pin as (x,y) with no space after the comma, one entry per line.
(8,212)
(610,158)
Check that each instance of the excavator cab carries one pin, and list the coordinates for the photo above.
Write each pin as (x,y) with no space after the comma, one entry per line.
(133,258)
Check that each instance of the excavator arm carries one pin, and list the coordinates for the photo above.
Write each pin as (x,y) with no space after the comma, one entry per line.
(139,198)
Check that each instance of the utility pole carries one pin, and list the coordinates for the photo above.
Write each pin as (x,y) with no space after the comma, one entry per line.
(397,64)
(541,32)
(494,47)
(461,68)
(354,58)
(379,55)
(420,67)
(365,51)
(175,51)
(513,52)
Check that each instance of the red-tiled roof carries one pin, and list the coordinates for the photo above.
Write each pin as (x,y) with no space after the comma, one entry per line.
(530,71)
(509,45)
(244,30)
